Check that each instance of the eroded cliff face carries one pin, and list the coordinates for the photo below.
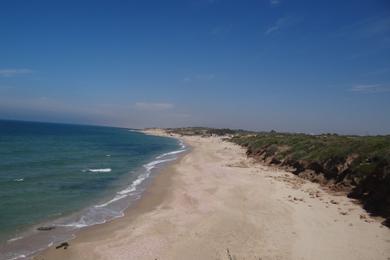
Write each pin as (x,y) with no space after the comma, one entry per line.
(368,182)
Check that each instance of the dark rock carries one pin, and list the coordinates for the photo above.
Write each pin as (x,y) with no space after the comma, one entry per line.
(46,228)
(64,245)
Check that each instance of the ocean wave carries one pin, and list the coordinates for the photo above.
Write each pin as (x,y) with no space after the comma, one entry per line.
(151,165)
(182,149)
(116,198)
(21,179)
(14,239)
(133,186)
(99,170)
(18,257)
(93,216)
(170,153)
(100,213)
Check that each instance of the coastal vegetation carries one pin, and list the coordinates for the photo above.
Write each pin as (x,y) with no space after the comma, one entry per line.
(358,166)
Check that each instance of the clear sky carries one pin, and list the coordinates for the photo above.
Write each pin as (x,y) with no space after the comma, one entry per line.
(288,65)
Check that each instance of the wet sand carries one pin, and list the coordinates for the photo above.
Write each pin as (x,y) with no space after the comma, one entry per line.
(214,202)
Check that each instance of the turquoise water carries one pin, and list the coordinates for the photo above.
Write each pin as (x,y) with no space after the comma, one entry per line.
(50,171)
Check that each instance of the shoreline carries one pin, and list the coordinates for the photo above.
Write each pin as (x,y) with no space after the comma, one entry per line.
(254,211)
(66,228)
(153,195)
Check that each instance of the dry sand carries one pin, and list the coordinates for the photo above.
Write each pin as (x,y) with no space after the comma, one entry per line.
(214,199)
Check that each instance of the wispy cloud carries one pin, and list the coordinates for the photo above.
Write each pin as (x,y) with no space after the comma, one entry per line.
(150,106)
(274,2)
(282,23)
(272,29)
(373,88)
(14,72)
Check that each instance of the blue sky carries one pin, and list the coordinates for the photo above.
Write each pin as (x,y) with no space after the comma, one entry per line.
(301,66)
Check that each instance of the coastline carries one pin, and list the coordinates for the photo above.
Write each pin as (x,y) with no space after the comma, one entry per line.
(52,232)
(215,199)
(157,190)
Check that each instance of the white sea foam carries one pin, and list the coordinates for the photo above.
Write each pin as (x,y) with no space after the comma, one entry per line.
(133,186)
(183,149)
(151,165)
(170,153)
(100,213)
(100,170)
(93,217)
(21,179)
(14,239)
(18,257)
(83,222)
(75,225)
(116,198)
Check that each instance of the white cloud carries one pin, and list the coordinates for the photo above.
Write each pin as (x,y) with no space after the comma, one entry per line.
(272,29)
(374,88)
(14,72)
(148,106)
(274,2)
(282,23)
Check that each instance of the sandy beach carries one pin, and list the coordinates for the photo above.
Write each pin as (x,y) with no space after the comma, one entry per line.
(215,203)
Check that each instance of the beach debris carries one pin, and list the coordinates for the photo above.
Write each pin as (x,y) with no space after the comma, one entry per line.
(298,199)
(46,228)
(64,245)
(228,254)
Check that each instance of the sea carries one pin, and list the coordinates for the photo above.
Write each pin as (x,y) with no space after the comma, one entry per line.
(58,178)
